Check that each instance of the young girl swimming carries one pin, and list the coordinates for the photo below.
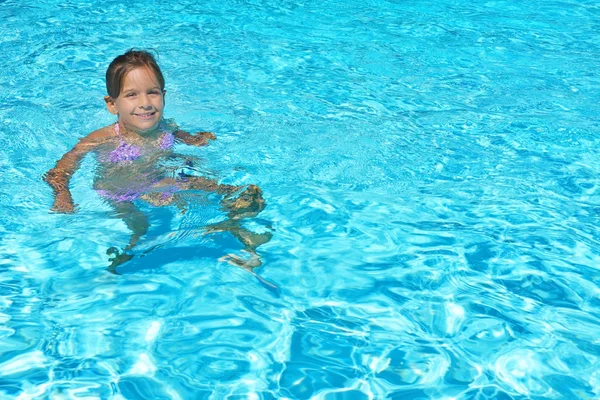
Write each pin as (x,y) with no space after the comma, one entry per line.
(132,154)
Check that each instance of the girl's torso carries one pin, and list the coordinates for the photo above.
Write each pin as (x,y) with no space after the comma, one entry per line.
(130,166)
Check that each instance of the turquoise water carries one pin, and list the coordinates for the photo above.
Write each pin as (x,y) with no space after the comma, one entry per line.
(430,172)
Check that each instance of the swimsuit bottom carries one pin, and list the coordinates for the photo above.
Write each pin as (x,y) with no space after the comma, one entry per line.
(120,196)
(153,192)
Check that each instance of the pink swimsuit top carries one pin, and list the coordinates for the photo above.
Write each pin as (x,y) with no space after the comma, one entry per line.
(126,153)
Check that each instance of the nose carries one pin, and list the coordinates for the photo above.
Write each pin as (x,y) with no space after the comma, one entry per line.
(144,102)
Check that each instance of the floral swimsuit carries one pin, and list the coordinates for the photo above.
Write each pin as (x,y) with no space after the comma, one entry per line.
(126,153)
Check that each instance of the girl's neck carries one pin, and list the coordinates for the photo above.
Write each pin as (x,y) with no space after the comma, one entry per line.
(125,132)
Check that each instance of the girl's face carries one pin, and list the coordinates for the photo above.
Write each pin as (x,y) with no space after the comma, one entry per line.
(141,101)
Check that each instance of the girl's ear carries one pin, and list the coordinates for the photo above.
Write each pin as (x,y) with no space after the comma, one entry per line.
(110,104)
(164,94)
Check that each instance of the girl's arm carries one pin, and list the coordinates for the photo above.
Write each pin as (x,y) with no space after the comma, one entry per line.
(238,203)
(59,176)
(197,139)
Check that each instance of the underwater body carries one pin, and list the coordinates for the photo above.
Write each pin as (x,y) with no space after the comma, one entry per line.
(430,178)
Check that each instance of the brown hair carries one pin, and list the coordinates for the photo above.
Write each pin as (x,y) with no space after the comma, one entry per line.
(125,63)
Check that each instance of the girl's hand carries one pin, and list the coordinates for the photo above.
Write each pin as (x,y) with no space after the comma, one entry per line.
(63,203)
(201,138)
(197,139)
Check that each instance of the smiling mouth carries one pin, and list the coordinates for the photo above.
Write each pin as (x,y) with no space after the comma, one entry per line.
(145,115)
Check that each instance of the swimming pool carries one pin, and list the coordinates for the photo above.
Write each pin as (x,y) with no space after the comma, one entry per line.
(431,178)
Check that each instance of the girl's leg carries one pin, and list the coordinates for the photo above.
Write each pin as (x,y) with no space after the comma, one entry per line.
(249,239)
(238,205)
(243,205)
(137,222)
(134,219)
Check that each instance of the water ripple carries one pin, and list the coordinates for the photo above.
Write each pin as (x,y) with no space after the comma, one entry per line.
(430,186)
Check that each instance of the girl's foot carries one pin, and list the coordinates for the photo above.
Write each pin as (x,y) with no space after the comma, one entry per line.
(117,259)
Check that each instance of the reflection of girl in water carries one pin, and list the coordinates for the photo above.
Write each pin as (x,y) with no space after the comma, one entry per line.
(132,153)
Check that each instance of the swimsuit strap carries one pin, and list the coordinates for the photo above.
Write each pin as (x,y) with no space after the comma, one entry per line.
(118,132)
(126,152)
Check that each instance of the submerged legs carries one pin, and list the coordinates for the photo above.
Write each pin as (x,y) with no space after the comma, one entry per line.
(138,224)
(135,220)
(249,239)
(238,202)
(239,205)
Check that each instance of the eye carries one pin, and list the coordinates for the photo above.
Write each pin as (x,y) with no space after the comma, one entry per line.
(131,94)
(156,92)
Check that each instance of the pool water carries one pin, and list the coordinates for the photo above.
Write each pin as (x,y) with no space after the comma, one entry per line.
(431,178)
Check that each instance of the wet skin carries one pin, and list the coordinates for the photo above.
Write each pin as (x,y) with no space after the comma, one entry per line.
(139,107)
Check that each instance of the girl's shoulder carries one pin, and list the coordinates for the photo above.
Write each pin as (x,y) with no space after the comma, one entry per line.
(96,139)
(101,135)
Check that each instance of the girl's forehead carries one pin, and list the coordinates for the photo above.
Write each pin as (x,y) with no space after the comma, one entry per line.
(140,76)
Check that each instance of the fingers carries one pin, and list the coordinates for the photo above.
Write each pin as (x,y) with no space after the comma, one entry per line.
(202,138)
(208,135)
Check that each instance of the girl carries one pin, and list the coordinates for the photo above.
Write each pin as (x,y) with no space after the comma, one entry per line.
(132,154)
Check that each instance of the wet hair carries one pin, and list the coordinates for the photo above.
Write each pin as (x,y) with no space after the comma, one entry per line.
(125,63)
